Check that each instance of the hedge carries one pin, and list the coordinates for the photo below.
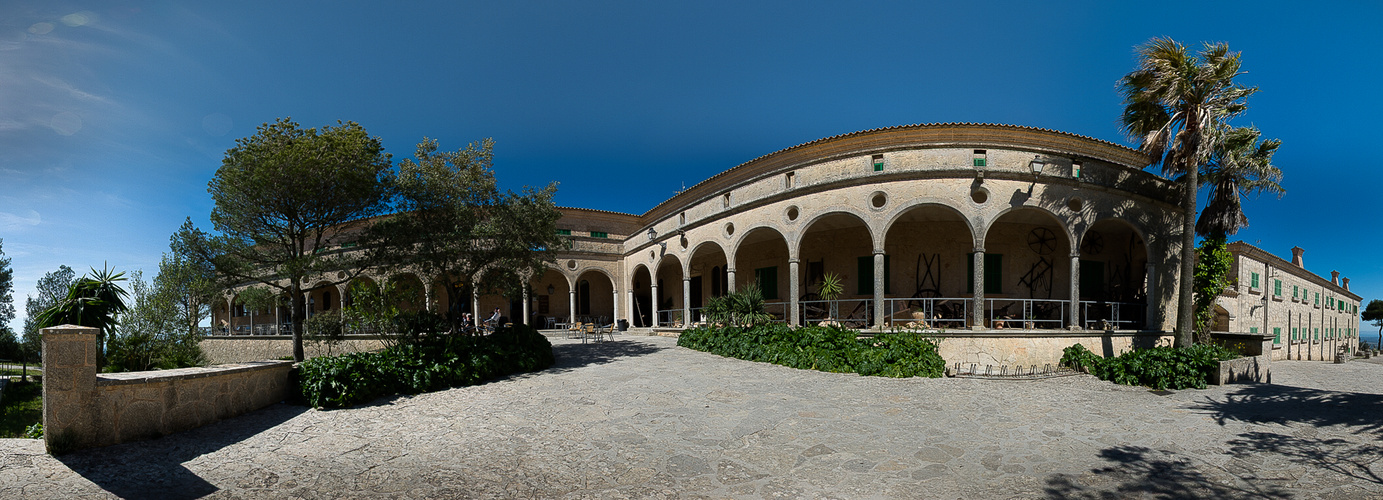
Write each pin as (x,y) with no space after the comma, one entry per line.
(829,349)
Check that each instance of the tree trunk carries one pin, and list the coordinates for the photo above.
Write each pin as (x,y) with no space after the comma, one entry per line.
(299,315)
(1186,308)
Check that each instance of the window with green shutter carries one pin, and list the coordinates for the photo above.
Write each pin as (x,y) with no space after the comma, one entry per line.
(865,265)
(1317,333)
(1318,298)
(1294,333)
(1253,329)
(878,161)
(980,158)
(1277,335)
(768,281)
(993,273)
(599,234)
(1330,302)
(564,232)
(1277,288)
(1294,291)
(1253,280)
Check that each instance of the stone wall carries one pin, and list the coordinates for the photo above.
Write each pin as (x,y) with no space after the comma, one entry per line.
(1027,348)
(83,409)
(240,349)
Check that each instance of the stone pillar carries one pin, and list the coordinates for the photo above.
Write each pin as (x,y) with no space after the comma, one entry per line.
(427,299)
(475,307)
(614,305)
(879,288)
(730,279)
(571,305)
(686,301)
(794,293)
(1073,318)
(1150,317)
(629,307)
(977,281)
(525,303)
(307,306)
(653,301)
(71,411)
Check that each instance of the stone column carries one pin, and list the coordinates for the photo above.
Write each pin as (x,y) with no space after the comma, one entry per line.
(571,305)
(1150,317)
(525,303)
(653,301)
(475,307)
(686,300)
(879,288)
(730,279)
(427,298)
(977,281)
(71,407)
(614,307)
(794,293)
(629,307)
(307,306)
(1074,317)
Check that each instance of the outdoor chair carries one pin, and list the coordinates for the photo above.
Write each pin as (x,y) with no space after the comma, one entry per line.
(574,330)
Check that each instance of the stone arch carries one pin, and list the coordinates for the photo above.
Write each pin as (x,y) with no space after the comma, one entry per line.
(670,302)
(707,265)
(595,298)
(840,243)
(552,296)
(362,280)
(904,211)
(927,246)
(324,296)
(410,288)
(1114,258)
(808,224)
(1064,224)
(640,288)
(764,252)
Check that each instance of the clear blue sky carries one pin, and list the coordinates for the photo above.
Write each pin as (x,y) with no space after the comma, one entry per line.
(115,114)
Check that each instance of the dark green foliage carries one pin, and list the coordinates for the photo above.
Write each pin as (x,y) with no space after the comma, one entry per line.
(829,349)
(433,362)
(744,308)
(1213,263)
(20,408)
(1157,367)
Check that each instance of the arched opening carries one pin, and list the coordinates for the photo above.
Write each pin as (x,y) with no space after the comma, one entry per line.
(762,257)
(1027,271)
(927,250)
(595,298)
(707,277)
(221,317)
(670,292)
(839,243)
(1113,276)
(641,287)
(410,292)
(551,304)
(322,297)
(357,287)
(1221,321)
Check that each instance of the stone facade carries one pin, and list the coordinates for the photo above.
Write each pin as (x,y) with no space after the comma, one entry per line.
(82,409)
(1307,316)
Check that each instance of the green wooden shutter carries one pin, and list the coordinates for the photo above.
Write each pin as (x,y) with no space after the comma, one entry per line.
(1091,279)
(865,265)
(768,281)
(1277,335)
(1277,288)
(1253,282)
(993,273)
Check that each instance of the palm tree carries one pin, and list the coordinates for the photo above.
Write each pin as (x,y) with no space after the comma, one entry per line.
(1240,165)
(1173,104)
(95,300)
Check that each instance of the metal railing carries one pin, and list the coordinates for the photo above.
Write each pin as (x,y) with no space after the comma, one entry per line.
(1031,314)
(939,312)
(1120,315)
(672,318)
(853,313)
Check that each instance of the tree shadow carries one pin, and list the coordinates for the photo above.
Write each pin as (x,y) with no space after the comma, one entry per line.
(153,469)
(1144,473)
(573,356)
(1336,455)
(1281,404)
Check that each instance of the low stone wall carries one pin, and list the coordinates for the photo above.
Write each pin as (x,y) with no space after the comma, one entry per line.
(1037,347)
(83,409)
(242,348)
(1248,369)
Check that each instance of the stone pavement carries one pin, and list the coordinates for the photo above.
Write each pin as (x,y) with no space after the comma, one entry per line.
(642,418)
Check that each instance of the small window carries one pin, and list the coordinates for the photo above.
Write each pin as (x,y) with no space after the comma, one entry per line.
(599,234)
(878,162)
(981,158)
(1330,302)
(1253,329)
(1294,291)
(564,232)
(1317,333)
(1075,169)
(1277,335)
(350,244)
(788,180)
(1295,331)
(1253,281)
(1318,298)
(1277,288)
(725,200)
(682,219)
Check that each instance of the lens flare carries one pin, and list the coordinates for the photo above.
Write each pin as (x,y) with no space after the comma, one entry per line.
(66,123)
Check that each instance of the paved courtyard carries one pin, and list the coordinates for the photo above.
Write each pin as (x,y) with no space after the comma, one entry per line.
(642,418)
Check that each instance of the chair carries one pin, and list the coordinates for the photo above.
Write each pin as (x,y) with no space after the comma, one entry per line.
(574,330)
(551,322)
(592,330)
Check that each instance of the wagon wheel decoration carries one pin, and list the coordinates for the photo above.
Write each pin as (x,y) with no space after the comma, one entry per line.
(1094,244)
(1042,241)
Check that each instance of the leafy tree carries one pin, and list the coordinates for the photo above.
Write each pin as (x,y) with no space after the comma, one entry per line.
(1213,262)
(1239,165)
(6,289)
(455,223)
(135,345)
(286,199)
(1173,104)
(51,289)
(190,283)
(1374,313)
(257,298)
(96,300)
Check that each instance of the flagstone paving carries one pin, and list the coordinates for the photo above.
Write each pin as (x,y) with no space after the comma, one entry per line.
(642,418)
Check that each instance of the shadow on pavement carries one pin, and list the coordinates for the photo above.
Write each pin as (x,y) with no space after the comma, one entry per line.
(1138,472)
(571,356)
(153,469)
(1336,455)
(1280,404)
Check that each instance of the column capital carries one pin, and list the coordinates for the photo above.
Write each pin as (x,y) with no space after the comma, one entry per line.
(878,251)
(978,250)
(794,261)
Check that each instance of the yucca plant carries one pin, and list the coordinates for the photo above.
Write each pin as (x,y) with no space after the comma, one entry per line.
(95,300)
(830,289)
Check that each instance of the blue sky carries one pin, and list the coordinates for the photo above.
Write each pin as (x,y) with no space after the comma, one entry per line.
(115,114)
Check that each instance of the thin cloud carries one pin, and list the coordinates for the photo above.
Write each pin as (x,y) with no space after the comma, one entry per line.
(13,222)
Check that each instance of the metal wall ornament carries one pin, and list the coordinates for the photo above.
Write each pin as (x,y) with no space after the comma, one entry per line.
(1042,241)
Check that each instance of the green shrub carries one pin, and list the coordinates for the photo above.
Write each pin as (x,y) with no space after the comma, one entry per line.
(429,363)
(829,349)
(1156,367)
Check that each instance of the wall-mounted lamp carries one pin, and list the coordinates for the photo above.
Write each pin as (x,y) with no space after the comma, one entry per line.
(551,290)
(1036,165)
(652,235)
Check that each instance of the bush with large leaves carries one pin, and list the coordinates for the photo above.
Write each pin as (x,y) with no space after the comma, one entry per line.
(830,349)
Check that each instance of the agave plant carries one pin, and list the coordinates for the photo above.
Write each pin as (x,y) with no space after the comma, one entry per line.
(830,289)
(744,308)
(95,300)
